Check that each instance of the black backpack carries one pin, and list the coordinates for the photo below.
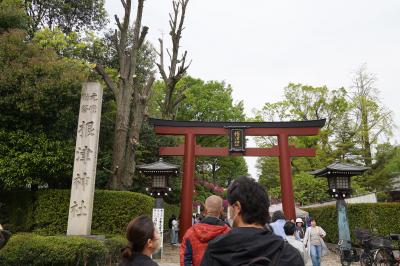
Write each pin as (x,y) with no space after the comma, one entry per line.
(274,261)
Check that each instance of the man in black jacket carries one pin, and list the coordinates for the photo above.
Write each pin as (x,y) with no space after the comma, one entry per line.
(249,242)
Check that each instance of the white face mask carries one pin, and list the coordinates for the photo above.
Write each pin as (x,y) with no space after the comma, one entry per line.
(156,241)
(231,216)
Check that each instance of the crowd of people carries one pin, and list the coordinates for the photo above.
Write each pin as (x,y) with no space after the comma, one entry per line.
(247,237)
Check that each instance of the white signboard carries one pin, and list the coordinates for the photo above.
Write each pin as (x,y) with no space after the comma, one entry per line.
(85,161)
(158,220)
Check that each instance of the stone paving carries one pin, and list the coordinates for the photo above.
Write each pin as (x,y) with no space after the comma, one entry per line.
(171,257)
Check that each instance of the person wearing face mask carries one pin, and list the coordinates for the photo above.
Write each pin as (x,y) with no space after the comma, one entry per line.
(143,240)
(196,238)
(249,242)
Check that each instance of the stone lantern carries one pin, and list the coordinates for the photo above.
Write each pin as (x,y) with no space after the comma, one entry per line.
(339,187)
(160,173)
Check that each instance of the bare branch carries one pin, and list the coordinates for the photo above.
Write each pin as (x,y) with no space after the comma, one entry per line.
(118,22)
(136,37)
(99,68)
(162,73)
(179,100)
(169,54)
(143,34)
(148,86)
(124,4)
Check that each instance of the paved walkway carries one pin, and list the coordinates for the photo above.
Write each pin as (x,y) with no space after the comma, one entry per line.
(171,257)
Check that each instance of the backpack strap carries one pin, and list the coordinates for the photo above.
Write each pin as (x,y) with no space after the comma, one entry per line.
(263,260)
(276,259)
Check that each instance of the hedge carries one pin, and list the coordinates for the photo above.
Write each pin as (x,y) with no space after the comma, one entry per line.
(46,211)
(32,249)
(378,218)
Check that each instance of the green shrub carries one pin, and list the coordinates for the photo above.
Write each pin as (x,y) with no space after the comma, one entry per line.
(16,211)
(30,249)
(114,245)
(46,211)
(378,218)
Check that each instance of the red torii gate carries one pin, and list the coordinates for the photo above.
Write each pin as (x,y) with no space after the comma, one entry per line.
(190,129)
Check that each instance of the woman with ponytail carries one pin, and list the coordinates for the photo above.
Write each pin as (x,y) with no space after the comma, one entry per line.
(143,240)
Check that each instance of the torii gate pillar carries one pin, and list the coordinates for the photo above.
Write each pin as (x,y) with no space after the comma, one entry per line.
(286,177)
(187,184)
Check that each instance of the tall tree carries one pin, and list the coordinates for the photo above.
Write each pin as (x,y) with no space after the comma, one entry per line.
(373,118)
(131,95)
(67,15)
(303,102)
(39,101)
(212,101)
(178,65)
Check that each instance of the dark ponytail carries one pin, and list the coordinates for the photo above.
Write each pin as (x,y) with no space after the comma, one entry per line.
(138,232)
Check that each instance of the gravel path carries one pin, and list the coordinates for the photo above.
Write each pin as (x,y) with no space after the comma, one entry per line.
(171,257)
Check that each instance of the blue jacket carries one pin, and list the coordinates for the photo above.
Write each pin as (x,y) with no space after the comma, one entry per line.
(277,227)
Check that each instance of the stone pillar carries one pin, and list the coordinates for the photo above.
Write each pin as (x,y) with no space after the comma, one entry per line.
(85,161)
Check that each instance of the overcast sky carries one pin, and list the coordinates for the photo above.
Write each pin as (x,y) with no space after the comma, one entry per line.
(259,46)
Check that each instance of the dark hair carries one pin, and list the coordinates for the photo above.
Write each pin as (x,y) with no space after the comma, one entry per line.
(138,232)
(289,228)
(253,200)
(277,215)
(313,219)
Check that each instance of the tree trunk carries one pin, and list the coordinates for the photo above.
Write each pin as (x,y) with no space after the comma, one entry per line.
(132,143)
(131,98)
(365,133)
(120,137)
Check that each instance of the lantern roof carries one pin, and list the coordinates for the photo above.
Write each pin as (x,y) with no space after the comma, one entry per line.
(159,167)
(339,169)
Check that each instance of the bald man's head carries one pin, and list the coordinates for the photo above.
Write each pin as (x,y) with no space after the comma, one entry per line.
(213,206)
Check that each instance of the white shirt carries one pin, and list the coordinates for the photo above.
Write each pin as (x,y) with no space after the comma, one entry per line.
(299,246)
(1,227)
(175,225)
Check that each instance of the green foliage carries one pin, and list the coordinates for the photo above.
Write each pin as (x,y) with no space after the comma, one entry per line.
(39,91)
(67,15)
(33,159)
(30,249)
(338,139)
(114,245)
(112,211)
(378,218)
(12,15)
(308,189)
(208,101)
(385,166)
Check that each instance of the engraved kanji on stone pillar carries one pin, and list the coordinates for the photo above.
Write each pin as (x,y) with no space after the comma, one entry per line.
(84,174)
